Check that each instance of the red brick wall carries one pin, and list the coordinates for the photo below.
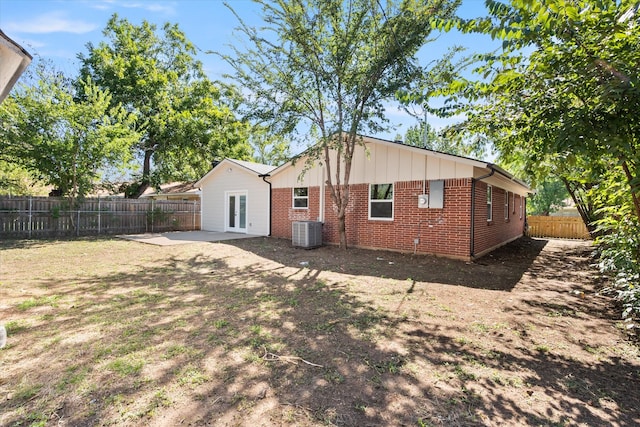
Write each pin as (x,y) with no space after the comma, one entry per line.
(439,231)
(283,213)
(490,234)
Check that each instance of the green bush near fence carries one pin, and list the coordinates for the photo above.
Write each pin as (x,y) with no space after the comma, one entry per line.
(160,217)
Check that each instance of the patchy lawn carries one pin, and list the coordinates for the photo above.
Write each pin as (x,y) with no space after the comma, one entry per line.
(255,332)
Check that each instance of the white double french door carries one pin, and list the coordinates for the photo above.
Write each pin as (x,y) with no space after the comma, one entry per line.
(236,212)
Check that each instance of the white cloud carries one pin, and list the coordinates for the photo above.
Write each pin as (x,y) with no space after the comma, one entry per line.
(52,22)
(167,8)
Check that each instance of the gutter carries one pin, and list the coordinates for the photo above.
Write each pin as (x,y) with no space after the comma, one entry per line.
(473,206)
(264,178)
(507,175)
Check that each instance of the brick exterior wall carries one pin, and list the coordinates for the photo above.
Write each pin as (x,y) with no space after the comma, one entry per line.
(443,232)
(283,213)
(498,231)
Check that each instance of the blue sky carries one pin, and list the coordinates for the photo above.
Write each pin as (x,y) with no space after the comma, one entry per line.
(60,29)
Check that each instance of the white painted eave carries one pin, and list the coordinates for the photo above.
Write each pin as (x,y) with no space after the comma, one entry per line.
(14,59)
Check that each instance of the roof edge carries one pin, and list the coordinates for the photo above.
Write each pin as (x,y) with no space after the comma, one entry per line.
(235,162)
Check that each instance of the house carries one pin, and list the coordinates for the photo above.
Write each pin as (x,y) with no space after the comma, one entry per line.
(13,61)
(402,198)
(184,191)
(235,197)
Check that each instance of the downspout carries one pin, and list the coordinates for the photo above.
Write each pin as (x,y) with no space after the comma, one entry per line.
(473,207)
(321,207)
(264,176)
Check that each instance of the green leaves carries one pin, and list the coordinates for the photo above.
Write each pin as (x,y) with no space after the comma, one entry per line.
(185,119)
(63,138)
(332,65)
(562,97)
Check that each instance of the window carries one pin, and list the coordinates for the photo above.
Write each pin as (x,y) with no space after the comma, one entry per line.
(521,207)
(513,203)
(489,203)
(301,198)
(506,205)
(381,201)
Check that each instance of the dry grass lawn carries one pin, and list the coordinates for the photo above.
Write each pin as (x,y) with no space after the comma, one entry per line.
(254,332)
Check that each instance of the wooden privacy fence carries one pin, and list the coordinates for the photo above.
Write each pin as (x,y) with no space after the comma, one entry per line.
(39,217)
(557,226)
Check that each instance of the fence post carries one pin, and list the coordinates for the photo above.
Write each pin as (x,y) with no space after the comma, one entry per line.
(30,214)
(152,218)
(78,223)
(194,215)
(98,214)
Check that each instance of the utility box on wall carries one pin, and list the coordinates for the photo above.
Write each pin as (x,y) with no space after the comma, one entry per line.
(423,201)
(436,194)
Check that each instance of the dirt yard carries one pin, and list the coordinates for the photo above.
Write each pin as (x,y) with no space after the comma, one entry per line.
(255,332)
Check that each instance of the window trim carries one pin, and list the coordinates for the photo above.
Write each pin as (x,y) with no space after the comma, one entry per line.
(392,200)
(521,206)
(489,203)
(506,205)
(294,198)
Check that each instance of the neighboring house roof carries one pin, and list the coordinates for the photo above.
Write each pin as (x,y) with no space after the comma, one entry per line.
(447,156)
(173,189)
(13,61)
(257,168)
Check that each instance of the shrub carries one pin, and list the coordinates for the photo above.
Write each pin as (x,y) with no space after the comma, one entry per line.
(620,259)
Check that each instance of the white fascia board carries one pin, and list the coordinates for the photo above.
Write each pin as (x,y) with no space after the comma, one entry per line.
(13,61)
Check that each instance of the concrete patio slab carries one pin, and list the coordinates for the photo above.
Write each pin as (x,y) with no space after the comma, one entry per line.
(184,237)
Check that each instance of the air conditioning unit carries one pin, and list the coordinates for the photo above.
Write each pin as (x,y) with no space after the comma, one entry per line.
(307,234)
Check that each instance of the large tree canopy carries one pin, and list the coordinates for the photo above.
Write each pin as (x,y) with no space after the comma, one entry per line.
(186,120)
(423,135)
(269,148)
(564,91)
(563,97)
(61,138)
(332,64)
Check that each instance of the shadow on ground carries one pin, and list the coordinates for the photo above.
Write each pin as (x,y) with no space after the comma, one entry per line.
(220,337)
(499,270)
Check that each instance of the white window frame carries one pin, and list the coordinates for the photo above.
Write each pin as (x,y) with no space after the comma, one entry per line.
(305,198)
(489,203)
(506,205)
(381,201)
(521,206)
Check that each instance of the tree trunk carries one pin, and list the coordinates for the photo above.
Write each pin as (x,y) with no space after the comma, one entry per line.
(146,173)
(342,228)
(633,187)
(583,207)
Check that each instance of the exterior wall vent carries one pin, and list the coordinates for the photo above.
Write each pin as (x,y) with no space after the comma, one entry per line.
(306,234)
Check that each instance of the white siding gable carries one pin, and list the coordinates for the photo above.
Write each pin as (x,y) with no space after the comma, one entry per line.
(377,163)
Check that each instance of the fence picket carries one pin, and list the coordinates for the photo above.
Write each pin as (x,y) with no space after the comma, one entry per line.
(42,217)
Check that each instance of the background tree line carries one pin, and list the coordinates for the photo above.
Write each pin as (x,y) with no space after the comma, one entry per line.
(140,112)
